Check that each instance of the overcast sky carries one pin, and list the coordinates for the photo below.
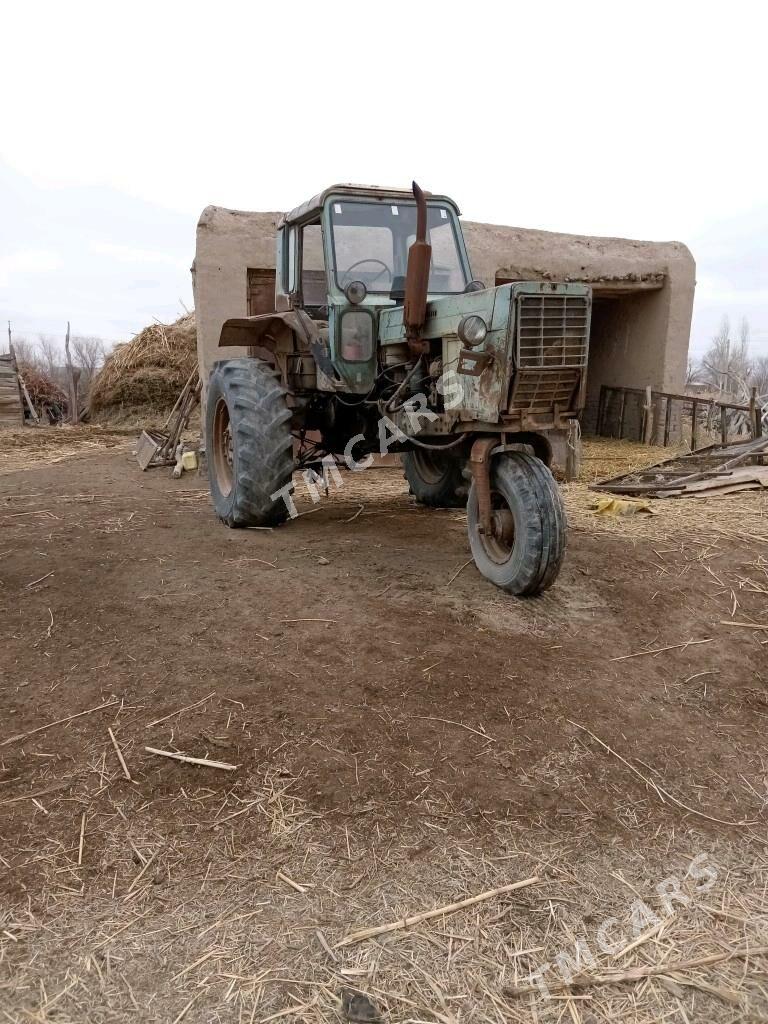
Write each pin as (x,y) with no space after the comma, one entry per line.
(119,123)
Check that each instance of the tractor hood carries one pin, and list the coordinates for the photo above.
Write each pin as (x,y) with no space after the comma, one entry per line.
(494,305)
(535,348)
(444,313)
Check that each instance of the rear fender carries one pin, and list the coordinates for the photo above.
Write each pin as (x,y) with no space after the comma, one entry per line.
(276,337)
(275,331)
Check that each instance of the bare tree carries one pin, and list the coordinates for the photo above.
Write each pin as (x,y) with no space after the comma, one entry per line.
(692,371)
(26,352)
(726,362)
(758,377)
(88,354)
(744,333)
(50,357)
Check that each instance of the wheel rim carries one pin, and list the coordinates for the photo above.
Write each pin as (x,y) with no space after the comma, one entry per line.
(223,454)
(429,465)
(500,544)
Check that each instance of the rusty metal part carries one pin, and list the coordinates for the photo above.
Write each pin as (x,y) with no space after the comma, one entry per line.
(158,448)
(480,467)
(472,363)
(417,278)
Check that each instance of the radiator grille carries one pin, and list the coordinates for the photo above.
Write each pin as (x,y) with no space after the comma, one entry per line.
(552,331)
(539,391)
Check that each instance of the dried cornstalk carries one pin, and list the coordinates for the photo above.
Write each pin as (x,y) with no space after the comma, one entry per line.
(428,915)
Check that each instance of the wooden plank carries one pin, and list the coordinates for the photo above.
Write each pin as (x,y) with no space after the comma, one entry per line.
(73,377)
(657,428)
(755,417)
(25,393)
(686,398)
(682,470)
(648,416)
(622,408)
(601,409)
(667,421)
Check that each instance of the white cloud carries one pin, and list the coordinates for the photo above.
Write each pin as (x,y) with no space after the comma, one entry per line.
(27,261)
(128,254)
(626,121)
(597,118)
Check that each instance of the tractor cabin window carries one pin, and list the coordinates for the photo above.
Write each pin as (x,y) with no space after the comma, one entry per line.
(314,290)
(290,259)
(371,242)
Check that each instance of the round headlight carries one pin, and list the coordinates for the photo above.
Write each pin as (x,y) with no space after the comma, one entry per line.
(356,292)
(472,329)
(475,286)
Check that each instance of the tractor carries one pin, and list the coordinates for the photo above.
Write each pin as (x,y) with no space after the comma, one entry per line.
(381,342)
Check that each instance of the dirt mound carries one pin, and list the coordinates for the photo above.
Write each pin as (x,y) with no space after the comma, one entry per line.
(149,371)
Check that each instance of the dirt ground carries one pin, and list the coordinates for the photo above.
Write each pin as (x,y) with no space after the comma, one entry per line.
(403,736)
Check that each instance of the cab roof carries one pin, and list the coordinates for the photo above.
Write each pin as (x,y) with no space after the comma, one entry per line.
(311,209)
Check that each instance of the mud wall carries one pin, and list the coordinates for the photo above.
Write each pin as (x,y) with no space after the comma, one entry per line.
(229,242)
(643,290)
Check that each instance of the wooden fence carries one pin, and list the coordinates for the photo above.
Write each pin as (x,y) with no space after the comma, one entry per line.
(655,426)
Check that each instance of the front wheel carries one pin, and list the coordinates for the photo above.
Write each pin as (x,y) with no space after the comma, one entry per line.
(524,551)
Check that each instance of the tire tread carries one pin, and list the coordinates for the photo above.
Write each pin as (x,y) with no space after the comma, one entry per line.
(260,424)
(540,526)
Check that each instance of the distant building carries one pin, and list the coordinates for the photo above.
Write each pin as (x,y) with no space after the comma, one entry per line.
(703,389)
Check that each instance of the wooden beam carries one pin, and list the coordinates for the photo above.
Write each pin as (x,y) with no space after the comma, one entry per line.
(648,416)
(755,414)
(72,378)
(622,408)
(25,393)
(667,420)
(601,409)
(685,398)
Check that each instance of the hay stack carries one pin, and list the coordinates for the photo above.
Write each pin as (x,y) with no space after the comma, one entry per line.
(148,371)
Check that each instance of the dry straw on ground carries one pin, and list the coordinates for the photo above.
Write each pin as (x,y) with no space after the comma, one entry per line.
(243,909)
(30,447)
(741,515)
(220,896)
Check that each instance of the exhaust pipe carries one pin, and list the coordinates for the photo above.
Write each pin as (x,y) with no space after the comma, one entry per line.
(417,278)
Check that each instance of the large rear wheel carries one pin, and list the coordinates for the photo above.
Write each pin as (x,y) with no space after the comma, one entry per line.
(248,443)
(435,478)
(524,551)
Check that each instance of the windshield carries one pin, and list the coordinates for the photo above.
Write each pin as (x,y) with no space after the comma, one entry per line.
(371,242)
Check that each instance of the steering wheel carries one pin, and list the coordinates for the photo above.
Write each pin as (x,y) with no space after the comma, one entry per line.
(384,270)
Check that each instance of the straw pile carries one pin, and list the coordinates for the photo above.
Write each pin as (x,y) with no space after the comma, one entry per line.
(43,391)
(149,371)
